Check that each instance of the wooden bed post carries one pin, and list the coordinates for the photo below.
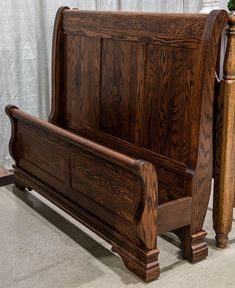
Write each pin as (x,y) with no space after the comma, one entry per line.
(224,170)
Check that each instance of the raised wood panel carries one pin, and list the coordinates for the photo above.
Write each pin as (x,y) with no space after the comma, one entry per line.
(106,184)
(50,159)
(142,94)
(168,101)
(74,171)
(171,174)
(123,74)
(83,80)
(109,185)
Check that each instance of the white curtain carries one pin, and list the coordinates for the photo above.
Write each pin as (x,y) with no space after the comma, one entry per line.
(144,5)
(25,50)
(223,4)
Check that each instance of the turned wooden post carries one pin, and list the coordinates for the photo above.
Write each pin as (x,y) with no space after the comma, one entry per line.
(224,172)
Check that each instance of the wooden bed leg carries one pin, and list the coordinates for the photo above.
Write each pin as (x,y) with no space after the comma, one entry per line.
(222,239)
(194,247)
(144,261)
(224,164)
(144,265)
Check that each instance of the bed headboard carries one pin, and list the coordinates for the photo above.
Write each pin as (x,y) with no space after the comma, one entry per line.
(146,78)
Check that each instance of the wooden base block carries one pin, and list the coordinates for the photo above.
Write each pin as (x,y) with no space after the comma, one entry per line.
(199,247)
(144,265)
(194,247)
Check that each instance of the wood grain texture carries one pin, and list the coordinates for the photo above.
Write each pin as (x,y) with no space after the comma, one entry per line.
(191,25)
(171,173)
(123,73)
(132,96)
(58,70)
(119,191)
(224,169)
(83,78)
(169,93)
(200,183)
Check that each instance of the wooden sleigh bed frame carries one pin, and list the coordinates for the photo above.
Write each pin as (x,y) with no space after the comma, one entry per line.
(128,147)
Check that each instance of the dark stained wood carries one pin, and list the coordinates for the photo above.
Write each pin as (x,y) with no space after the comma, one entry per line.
(116,190)
(200,180)
(173,214)
(132,97)
(224,164)
(83,78)
(171,173)
(189,27)
(120,98)
(58,70)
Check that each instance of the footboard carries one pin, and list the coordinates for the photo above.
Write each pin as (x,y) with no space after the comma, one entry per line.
(111,193)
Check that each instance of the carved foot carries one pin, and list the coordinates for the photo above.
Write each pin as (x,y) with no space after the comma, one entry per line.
(144,265)
(221,240)
(199,247)
(194,247)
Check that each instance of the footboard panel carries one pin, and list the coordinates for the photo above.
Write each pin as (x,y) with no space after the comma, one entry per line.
(118,192)
(78,171)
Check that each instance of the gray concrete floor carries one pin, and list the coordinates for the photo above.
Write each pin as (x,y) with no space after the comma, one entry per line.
(43,247)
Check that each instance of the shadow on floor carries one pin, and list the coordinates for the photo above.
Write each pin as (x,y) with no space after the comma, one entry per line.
(212,243)
(87,242)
